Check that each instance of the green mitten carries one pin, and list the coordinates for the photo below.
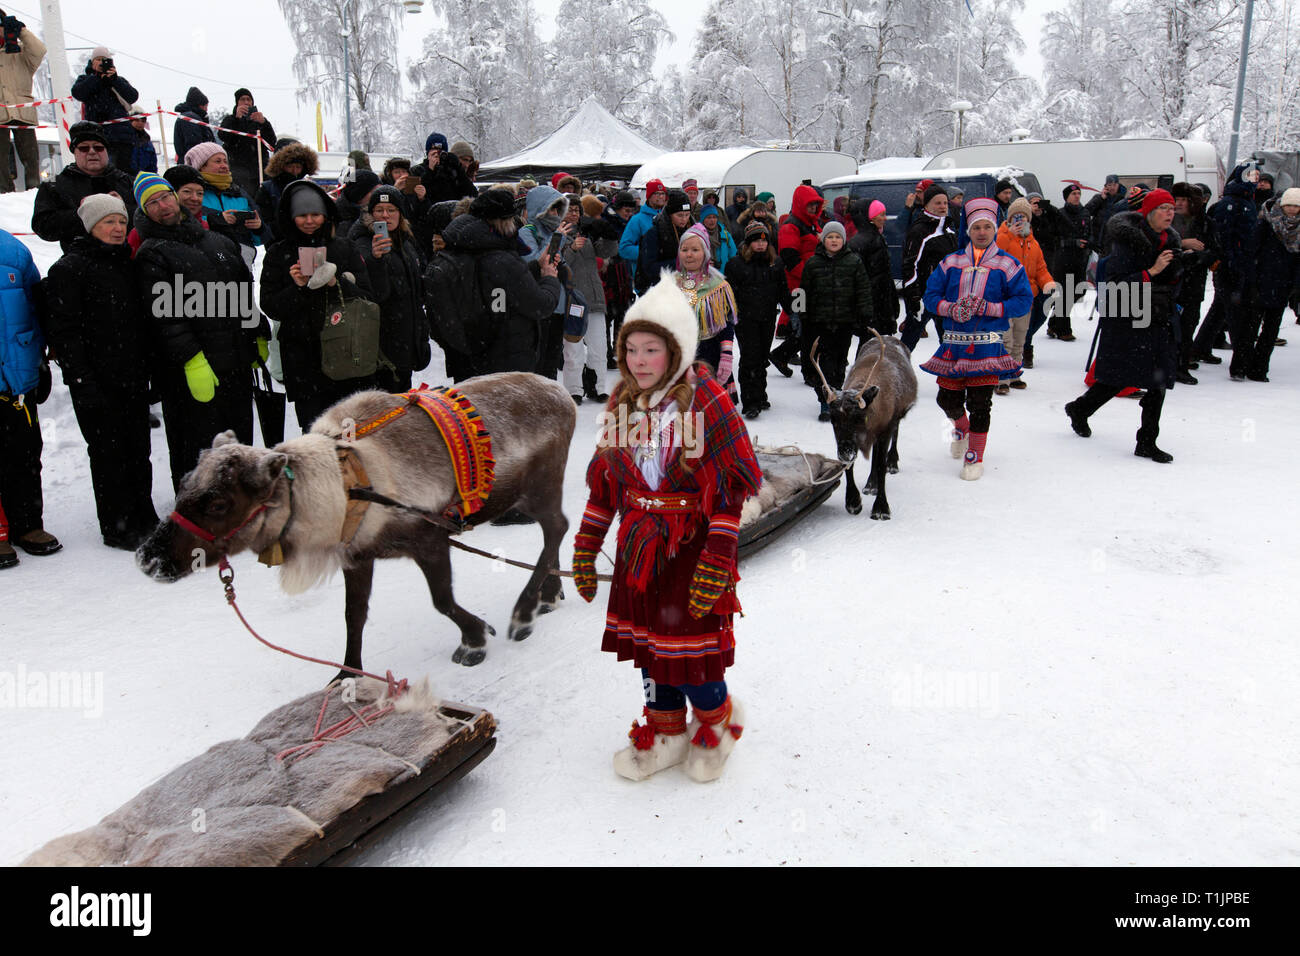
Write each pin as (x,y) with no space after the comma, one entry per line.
(263,352)
(584,573)
(201,379)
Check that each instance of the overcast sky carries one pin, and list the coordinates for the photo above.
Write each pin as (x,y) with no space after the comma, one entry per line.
(220,46)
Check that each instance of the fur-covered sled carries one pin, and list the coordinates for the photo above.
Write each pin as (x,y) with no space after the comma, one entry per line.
(794,483)
(238,805)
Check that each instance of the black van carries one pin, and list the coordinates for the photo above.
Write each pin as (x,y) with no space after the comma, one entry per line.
(892,189)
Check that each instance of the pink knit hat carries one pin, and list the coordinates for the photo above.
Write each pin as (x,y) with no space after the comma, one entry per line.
(875,209)
(201,153)
(700,233)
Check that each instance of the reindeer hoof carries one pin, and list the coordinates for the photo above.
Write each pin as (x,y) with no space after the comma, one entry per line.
(854,509)
(469,656)
(869,488)
(520,632)
(892,469)
(881,514)
(546,607)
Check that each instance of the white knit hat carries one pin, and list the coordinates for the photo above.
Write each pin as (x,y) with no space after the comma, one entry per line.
(1291,197)
(663,311)
(95,207)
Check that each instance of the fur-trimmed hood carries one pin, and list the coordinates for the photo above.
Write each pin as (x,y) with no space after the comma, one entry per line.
(294,152)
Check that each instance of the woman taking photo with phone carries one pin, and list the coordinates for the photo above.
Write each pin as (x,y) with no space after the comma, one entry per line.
(228,210)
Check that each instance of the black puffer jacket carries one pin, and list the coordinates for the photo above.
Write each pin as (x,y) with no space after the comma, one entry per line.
(1049,227)
(193,254)
(871,248)
(447,180)
(499,267)
(658,250)
(1277,270)
(245,153)
(301,311)
(103,97)
(837,288)
(1136,349)
(54,214)
(928,241)
(94,318)
(397,281)
(759,286)
(185,135)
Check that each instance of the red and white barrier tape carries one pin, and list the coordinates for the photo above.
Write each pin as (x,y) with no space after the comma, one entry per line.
(23,106)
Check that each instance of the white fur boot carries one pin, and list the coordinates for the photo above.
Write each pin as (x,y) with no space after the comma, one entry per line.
(958,446)
(712,743)
(972,471)
(650,752)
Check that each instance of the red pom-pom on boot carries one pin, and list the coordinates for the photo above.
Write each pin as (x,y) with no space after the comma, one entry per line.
(713,734)
(658,744)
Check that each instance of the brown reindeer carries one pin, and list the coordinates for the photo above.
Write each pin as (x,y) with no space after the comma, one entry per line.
(293,497)
(878,391)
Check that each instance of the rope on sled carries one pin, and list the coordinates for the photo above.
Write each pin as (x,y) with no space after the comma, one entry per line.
(839,466)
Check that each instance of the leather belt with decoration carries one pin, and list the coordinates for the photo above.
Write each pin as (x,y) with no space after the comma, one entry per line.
(971,338)
(679,502)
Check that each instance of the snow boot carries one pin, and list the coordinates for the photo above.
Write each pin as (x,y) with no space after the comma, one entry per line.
(713,734)
(1028,357)
(1148,449)
(1078,422)
(39,542)
(960,438)
(973,468)
(661,742)
(8,556)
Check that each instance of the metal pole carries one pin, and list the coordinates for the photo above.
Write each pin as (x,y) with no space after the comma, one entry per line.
(956,94)
(347,82)
(1241,87)
(162,132)
(57,55)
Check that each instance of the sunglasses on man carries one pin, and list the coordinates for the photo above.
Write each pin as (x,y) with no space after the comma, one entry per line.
(91,148)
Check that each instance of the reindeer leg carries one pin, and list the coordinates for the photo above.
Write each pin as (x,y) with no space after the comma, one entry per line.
(852,499)
(435,562)
(870,487)
(891,463)
(357,582)
(542,588)
(879,452)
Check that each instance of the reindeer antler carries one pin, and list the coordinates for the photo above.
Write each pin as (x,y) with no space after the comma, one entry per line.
(812,357)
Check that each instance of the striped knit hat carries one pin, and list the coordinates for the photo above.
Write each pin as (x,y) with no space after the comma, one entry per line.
(148,185)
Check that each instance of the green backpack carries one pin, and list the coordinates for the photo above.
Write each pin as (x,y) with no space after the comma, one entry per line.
(349,339)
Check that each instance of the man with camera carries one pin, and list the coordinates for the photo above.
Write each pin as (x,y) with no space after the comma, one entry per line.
(108,96)
(238,131)
(22,56)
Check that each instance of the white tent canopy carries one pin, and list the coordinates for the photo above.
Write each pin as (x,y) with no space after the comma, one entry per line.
(591,144)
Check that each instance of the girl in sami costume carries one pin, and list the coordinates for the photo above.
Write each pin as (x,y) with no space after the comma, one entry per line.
(710,295)
(976,291)
(676,464)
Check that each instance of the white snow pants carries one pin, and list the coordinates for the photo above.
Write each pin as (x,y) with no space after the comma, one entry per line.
(592,351)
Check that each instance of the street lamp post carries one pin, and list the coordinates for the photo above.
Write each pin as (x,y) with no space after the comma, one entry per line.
(960,107)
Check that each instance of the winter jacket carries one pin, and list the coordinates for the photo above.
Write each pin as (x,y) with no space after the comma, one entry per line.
(734,212)
(535,234)
(245,153)
(629,244)
(515,340)
(870,246)
(584,273)
(928,241)
(144,158)
(747,217)
(721,246)
(234,199)
(1029,253)
(1049,228)
(302,311)
(54,213)
(101,98)
(658,250)
(188,135)
(1196,266)
(1277,271)
(797,237)
(1073,259)
(447,180)
(397,284)
(22,346)
(186,252)
(1135,349)
(838,290)
(759,287)
(1234,223)
(95,319)
(1101,208)
(16,71)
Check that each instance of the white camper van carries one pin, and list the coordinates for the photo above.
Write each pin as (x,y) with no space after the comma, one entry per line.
(1156,162)
(777,171)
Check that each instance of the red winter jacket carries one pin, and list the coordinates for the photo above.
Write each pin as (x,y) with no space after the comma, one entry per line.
(797,238)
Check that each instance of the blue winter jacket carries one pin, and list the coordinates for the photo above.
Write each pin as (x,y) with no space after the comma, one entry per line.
(22,346)
(637,226)
(534,235)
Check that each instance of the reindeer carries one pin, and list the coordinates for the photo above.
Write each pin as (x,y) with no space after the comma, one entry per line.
(878,391)
(291,502)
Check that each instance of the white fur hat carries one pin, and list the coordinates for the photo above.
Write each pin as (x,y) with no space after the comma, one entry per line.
(664,311)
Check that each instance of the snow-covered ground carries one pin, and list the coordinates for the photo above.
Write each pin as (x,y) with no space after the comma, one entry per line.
(1082,658)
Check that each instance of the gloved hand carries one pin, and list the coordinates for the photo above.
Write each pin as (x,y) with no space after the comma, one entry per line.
(323,275)
(263,352)
(590,536)
(201,379)
(717,564)
(584,573)
(725,363)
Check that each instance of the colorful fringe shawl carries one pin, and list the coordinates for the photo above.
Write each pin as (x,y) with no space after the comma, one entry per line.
(468,443)
(726,470)
(713,302)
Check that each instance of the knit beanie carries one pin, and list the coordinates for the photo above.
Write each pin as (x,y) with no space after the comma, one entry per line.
(243,91)
(86,130)
(183,175)
(462,150)
(385,194)
(1135,201)
(756,230)
(1156,197)
(435,139)
(200,154)
(95,207)
(765,197)
(678,201)
(654,186)
(706,211)
(924,184)
(934,189)
(700,233)
(304,202)
(148,185)
(1071,188)
(875,209)
(1112,178)
(1002,184)
(1020,205)
(100,51)
(625,200)
(358,159)
(493,204)
(363,180)
(833,228)
(689,184)
(1290,197)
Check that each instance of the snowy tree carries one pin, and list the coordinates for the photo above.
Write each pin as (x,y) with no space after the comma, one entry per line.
(1084,93)
(607,48)
(318,28)
(716,109)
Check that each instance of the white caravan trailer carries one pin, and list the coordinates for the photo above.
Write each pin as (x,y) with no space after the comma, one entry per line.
(1156,162)
(777,171)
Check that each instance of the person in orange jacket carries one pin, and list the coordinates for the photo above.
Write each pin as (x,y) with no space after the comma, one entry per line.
(1016,238)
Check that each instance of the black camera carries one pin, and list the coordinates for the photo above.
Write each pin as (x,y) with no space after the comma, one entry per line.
(106,64)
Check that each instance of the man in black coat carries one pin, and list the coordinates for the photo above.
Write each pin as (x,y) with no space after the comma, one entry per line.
(187,135)
(488,234)
(247,156)
(203,364)
(54,214)
(1100,207)
(1138,326)
(108,96)
(1193,225)
(1072,259)
(930,238)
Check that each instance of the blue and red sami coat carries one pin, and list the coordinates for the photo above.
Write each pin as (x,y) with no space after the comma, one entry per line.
(647,620)
(973,349)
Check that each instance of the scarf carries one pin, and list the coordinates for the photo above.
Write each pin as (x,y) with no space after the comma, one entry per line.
(218,181)
(1286,228)
(713,301)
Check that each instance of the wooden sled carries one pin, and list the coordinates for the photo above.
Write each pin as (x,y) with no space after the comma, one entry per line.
(316,781)
(793,504)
